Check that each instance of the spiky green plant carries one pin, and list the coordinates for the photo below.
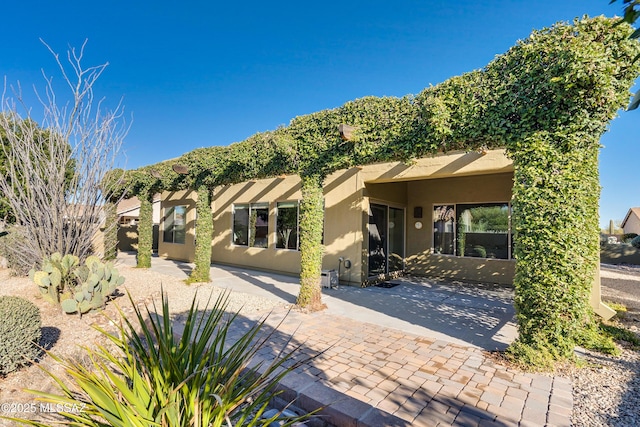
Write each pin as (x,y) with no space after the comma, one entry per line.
(157,377)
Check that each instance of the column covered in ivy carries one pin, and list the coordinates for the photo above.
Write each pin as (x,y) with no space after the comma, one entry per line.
(311,248)
(204,231)
(555,216)
(110,231)
(145,230)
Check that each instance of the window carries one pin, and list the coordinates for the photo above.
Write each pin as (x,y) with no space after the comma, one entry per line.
(472,230)
(241,225)
(443,225)
(287,225)
(251,225)
(175,224)
(124,220)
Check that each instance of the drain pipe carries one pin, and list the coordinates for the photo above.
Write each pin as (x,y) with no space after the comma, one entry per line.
(340,261)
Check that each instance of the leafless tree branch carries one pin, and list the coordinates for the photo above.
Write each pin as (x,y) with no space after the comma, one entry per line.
(54,171)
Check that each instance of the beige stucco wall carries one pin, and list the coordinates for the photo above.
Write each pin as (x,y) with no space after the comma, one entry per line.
(178,251)
(441,166)
(456,177)
(467,189)
(133,210)
(343,218)
(451,178)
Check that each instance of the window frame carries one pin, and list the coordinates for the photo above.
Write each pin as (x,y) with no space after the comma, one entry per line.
(297,229)
(250,208)
(170,212)
(455,228)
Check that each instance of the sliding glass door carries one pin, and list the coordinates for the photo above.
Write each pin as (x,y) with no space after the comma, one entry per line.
(386,239)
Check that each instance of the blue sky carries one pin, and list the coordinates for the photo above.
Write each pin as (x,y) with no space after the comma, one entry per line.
(202,73)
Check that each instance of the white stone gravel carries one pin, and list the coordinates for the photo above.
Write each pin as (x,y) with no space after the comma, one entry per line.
(607,391)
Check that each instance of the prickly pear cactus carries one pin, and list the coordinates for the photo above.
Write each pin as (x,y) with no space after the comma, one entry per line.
(78,288)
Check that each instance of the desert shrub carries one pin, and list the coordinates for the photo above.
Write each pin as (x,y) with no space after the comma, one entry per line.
(533,356)
(628,237)
(155,377)
(9,239)
(599,337)
(635,242)
(20,330)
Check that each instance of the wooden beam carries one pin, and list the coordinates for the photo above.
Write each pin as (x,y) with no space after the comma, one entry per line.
(346,131)
(155,174)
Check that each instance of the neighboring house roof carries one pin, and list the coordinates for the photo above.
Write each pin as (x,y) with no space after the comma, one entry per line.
(634,211)
(128,205)
(78,210)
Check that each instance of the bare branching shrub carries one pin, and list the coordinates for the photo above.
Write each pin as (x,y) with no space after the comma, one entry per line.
(53,176)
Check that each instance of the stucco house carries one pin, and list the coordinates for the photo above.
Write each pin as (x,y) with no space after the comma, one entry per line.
(631,222)
(446,216)
(128,210)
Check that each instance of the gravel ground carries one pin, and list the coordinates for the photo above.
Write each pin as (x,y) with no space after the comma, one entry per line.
(64,335)
(606,392)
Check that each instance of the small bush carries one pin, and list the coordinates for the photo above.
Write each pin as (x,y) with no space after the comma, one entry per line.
(480,251)
(635,242)
(628,237)
(9,240)
(620,309)
(621,334)
(595,337)
(534,356)
(20,329)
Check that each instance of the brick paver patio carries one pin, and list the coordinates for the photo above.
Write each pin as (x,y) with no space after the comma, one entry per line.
(367,375)
(364,374)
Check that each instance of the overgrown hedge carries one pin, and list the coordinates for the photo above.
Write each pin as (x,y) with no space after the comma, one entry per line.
(547,101)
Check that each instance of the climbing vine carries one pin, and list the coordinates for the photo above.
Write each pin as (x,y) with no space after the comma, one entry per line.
(204,231)
(145,231)
(547,101)
(110,231)
(311,248)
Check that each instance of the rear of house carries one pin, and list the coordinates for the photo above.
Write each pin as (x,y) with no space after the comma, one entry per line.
(444,216)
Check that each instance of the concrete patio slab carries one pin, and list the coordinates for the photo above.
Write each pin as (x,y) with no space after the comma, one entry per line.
(479,315)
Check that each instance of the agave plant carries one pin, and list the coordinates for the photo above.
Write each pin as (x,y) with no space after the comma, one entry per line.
(159,378)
